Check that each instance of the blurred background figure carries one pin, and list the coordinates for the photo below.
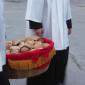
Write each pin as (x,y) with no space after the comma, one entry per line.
(3,73)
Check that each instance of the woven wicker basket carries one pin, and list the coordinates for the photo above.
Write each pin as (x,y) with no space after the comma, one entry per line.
(25,67)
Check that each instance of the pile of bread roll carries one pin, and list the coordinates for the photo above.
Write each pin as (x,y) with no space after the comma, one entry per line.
(27,44)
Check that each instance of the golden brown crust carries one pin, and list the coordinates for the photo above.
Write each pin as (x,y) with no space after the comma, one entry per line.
(24,49)
(24,45)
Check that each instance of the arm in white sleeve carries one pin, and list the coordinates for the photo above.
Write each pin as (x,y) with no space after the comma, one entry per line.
(34,10)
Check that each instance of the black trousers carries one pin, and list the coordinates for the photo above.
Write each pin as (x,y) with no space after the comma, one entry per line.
(4,77)
(60,63)
(56,72)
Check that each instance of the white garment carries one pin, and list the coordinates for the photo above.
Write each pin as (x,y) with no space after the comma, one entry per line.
(53,14)
(2,37)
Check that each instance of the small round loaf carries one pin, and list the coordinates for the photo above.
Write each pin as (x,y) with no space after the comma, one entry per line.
(15,49)
(38,45)
(24,48)
(8,44)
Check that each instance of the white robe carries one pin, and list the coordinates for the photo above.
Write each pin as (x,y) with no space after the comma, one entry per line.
(2,37)
(53,14)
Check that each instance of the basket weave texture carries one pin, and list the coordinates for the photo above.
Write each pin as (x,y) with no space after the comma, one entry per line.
(32,63)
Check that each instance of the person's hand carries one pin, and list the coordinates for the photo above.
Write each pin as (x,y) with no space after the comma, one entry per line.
(69,31)
(39,32)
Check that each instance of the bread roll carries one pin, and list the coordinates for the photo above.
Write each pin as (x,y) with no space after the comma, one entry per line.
(15,49)
(24,49)
(38,45)
(8,44)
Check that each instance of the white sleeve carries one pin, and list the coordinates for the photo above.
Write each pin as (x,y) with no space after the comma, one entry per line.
(1,62)
(68,10)
(34,10)
(2,36)
(1,9)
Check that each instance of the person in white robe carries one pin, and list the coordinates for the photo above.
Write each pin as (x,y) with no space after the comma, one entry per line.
(3,74)
(51,19)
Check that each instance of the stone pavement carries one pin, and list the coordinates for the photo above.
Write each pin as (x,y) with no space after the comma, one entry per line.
(15,24)
(77,40)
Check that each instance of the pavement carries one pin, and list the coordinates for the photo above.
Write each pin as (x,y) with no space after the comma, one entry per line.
(15,24)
